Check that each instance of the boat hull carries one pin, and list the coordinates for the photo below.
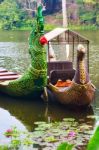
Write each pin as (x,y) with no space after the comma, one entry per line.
(76,94)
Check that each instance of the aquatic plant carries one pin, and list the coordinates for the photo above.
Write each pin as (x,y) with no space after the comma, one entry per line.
(17,139)
(60,135)
(65,146)
(9,133)
(71,134)
(94,141)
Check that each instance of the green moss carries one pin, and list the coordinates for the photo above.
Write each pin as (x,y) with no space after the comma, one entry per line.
(35,78)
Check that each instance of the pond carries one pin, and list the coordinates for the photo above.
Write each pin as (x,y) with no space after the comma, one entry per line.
(23,113)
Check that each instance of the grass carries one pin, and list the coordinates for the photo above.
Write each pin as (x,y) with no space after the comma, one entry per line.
(83,27)
(49,27)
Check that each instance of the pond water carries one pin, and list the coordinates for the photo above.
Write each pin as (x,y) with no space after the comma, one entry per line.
(23,113)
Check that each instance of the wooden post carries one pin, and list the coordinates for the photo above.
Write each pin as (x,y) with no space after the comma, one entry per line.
(73,49)
(88,54)
(48,53)
(64,11)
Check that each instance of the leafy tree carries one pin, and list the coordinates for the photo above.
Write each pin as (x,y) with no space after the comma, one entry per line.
(10,14)
(87,16)
(19,13)
(90,1)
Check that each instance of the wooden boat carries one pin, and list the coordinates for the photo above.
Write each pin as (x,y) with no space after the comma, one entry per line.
(67,85)
(78,91)
(61,82)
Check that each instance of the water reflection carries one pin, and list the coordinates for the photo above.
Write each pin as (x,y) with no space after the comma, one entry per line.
(14,56)
(15,36)
(7,121)
(28,111)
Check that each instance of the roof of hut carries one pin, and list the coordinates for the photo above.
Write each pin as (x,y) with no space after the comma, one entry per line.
(65,35)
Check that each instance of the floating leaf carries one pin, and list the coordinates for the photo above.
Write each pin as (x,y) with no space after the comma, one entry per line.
(27,142)
(37,134)
(50,139)
(92,117)
(69,119)
(39,122)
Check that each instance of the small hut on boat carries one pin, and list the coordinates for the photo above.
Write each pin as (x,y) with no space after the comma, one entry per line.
(62,51)
(69,85)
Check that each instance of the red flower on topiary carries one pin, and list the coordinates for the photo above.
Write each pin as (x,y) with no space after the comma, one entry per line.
(43,40)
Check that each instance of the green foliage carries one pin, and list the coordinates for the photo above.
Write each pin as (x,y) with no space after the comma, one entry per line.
(4,147)
(86,15)
(49,27)
(83,27)
(97,20)
(17,139)
(12,16)
(90,1)
(94,141)
(65,146)
(15,143)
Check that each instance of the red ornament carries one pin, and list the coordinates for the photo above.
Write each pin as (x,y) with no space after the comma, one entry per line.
(43,40)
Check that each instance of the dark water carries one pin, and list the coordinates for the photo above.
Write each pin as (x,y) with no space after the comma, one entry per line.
(23,113)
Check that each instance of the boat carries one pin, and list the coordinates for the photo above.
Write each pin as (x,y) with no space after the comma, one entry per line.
(57,80)
(67,85)
(78,91)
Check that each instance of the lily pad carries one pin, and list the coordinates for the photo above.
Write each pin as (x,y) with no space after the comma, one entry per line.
(50,139)
(69,119)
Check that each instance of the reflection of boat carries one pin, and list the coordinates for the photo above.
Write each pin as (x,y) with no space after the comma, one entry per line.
(79,91)
(28,111)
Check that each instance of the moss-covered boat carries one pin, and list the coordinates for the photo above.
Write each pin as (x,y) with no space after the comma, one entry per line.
(33,81)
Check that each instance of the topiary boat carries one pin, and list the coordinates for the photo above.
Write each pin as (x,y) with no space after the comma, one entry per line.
(33,81)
